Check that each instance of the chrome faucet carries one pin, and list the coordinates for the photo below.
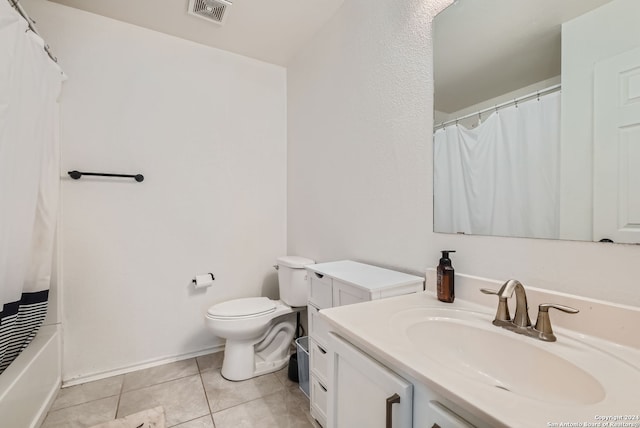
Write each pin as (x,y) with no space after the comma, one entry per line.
(521,322)
(521,317)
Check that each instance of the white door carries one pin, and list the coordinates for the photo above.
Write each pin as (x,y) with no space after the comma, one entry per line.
(616,164)
(363,393)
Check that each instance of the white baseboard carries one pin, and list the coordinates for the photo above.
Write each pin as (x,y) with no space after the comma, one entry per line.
(148,364)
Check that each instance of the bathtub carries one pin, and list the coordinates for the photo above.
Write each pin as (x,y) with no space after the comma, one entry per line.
(30,384)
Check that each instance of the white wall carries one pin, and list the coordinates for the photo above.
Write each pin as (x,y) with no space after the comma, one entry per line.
(208,130)
(607,31)
(360,163)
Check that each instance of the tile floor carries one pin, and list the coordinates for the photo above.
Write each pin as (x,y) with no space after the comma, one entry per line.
(193,394)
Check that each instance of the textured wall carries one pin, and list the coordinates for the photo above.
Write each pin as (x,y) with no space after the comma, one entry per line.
(359,121)
(359,129)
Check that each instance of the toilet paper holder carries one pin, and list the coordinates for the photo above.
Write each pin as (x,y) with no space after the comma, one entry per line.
(204,280)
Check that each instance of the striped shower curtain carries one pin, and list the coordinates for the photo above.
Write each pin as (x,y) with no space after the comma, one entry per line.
(29,179)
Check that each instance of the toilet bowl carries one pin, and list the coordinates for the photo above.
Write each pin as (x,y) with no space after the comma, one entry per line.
(258,330)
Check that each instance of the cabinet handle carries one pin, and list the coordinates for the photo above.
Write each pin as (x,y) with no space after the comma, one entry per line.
(321,350)
(395,398)
(322,386)
(319,275)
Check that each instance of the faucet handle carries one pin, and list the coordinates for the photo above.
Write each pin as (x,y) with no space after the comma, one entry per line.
(503,317)
(543,323)
(568,309)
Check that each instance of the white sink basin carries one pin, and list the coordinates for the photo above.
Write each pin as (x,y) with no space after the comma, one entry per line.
(501,379)
(467,343)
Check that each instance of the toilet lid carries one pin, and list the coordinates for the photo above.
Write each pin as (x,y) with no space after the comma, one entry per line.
(242,308)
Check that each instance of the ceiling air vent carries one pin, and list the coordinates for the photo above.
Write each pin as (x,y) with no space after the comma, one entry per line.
(211,10)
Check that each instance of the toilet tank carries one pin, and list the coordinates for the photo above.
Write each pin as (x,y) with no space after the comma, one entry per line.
(292,279)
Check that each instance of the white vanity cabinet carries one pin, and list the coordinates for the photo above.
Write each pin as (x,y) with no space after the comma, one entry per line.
(337,284)
(364,393)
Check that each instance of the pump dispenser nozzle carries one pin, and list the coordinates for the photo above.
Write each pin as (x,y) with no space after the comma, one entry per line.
(445,256)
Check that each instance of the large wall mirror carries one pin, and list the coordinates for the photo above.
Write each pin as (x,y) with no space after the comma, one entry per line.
(537,119)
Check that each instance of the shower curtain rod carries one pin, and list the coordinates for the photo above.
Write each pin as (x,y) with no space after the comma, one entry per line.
(515,101)
(30,23)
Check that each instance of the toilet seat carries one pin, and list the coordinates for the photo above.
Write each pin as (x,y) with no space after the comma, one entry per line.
(248,307)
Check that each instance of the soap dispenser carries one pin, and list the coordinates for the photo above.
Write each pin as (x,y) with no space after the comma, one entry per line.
(445,286)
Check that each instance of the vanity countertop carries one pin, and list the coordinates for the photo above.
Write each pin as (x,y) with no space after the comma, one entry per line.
(372,327)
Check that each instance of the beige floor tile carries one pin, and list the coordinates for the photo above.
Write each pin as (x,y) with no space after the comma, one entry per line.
(83,415)
(283,377)
(210,361)
(297,396)
(223,393)
(267,401)
(203,422)
(159,374)
(183,400)
(284,409)
(147,418)
(86,392)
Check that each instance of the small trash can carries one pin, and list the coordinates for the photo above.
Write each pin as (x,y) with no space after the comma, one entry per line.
(302,347)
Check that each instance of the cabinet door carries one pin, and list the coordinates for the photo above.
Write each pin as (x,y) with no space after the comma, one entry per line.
(320,294)
(319,357)
(364,393)
(318,401)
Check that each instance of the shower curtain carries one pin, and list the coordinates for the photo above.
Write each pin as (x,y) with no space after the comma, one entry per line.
(502,177)
(29,177)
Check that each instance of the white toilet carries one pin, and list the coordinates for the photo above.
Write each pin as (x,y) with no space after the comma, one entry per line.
(258,330)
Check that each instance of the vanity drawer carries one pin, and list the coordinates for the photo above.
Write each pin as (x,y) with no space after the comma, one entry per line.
(318,329)
(443,417)
(320,294)
(347,294)
(319,360)
(318,401)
